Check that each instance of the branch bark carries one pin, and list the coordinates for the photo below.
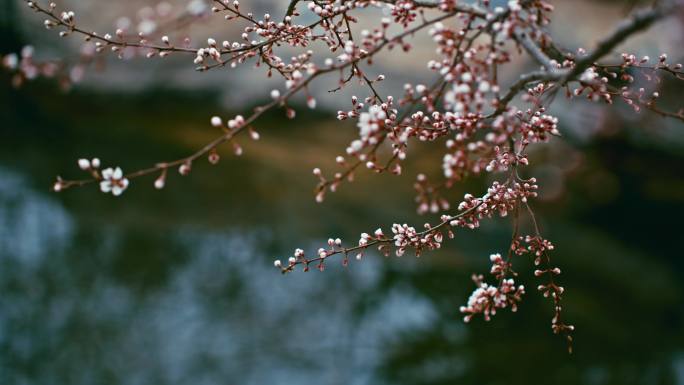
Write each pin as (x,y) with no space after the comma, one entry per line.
(639,21)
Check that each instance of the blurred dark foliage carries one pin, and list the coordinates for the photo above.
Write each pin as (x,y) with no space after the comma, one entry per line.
(10,39)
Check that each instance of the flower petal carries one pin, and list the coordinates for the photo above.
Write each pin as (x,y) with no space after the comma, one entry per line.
(106,186)
(107,173)
(118,174)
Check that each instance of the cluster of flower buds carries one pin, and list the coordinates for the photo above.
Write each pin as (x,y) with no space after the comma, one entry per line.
(406,237)
(503,159)
(404,12)
(555,292)
(111,180)
(499,267)
(635,81)
(501,198)
(486,298)
(211,52)
(538,127)
(537,246)
(467,106)
(370,124)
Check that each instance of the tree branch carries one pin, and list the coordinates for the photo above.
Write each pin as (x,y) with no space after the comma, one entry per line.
(639,21)
(523,38)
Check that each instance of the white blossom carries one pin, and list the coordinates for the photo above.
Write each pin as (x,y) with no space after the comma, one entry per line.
(369,122)
(113,181)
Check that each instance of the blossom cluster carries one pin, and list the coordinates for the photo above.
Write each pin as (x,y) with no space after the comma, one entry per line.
(486,298)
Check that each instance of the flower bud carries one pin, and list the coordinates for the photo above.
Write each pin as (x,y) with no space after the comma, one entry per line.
(84,164)
(216,121)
